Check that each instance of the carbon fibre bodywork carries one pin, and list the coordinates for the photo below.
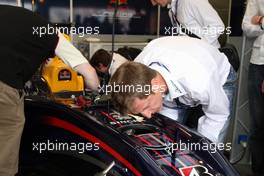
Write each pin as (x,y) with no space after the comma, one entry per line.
(137,146)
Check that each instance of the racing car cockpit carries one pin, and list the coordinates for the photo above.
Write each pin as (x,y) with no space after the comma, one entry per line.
(68,133)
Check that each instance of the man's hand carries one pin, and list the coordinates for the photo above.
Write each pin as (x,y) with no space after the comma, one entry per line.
(89,74)
(256,20)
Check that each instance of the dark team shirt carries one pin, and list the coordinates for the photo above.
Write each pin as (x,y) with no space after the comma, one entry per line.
(22,49)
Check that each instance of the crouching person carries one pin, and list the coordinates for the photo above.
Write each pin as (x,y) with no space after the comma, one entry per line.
(181,70)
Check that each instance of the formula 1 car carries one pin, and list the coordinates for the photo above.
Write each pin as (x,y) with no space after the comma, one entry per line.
(66,134)
(88,137)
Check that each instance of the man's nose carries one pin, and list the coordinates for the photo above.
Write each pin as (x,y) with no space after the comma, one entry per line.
(147,114)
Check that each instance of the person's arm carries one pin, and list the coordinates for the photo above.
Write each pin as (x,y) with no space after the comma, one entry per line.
(215,105)
(73,57)
(211,23)
(89,74)
(249,26)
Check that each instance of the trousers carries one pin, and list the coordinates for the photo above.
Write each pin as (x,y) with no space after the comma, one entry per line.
(11,126)
(256,109)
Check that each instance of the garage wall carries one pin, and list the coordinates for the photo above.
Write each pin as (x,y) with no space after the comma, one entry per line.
(223,8)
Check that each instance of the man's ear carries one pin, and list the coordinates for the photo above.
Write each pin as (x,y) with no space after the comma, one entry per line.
(98,67)
(158,84)
(155,81)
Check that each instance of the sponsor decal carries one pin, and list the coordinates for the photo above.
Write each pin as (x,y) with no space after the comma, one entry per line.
(197,170)
(64,75)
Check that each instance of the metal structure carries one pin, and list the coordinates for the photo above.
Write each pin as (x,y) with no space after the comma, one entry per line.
(242,118)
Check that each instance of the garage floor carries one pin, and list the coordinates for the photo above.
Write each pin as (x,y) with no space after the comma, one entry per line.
(243,169)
